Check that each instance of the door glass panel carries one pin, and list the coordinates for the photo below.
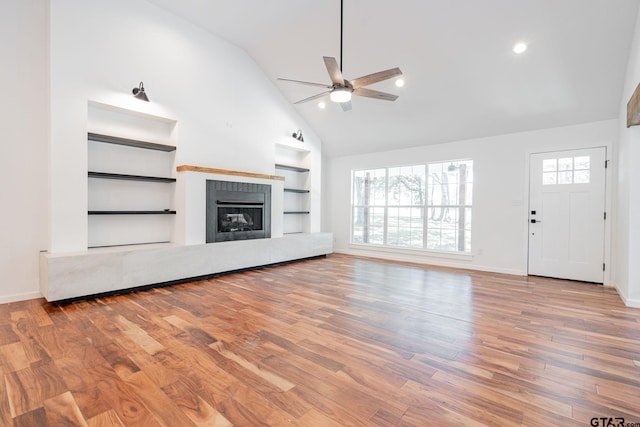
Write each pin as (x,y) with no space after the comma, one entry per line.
(570,170)
(565,177)
(550,165)
(549,178)
(583,162)
(565,164)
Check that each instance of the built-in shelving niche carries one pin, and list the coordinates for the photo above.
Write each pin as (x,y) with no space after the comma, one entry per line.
(293,164)
(131,158)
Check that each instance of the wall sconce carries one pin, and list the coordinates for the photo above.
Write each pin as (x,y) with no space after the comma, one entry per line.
(138,92)
(298,135)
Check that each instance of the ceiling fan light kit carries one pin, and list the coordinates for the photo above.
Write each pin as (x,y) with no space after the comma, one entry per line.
(340,95)
(341,89)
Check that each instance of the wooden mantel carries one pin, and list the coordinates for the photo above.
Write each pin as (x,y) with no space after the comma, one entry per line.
(633,108)
(190,168)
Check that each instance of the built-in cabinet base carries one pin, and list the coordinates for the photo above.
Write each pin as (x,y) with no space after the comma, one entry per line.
(98,271)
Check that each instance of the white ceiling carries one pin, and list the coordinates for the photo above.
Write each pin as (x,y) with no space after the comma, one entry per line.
(462,78)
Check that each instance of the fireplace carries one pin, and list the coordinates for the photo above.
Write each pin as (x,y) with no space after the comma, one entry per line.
(237,211)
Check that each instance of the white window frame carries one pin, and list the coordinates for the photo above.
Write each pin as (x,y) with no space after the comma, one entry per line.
(426,206)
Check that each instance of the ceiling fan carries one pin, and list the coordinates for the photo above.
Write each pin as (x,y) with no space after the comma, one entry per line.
(341,89)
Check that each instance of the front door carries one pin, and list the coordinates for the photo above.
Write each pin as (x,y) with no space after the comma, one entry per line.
(567,214)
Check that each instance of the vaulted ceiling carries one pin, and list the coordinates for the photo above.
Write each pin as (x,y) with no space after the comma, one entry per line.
(462,78)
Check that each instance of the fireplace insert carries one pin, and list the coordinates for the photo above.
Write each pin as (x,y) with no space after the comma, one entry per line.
(237,211)
(237,216)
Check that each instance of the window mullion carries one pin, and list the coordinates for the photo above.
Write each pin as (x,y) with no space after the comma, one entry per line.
(386,206)
(425,202)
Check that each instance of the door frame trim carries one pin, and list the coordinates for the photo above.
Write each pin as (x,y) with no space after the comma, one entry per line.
(607,277)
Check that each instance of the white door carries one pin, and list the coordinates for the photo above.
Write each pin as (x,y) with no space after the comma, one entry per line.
(567,214)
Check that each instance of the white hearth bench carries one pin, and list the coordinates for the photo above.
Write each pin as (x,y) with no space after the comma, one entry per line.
(73,276)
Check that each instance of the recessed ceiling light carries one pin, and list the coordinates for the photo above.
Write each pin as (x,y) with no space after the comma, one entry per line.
(520,47)
(399,83)
(321,105)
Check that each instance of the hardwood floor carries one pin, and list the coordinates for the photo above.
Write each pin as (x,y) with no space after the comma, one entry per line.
(326,342)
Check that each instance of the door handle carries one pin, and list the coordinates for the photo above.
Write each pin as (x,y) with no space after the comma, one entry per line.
(535,221)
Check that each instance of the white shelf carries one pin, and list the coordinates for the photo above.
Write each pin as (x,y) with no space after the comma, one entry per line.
(110,139)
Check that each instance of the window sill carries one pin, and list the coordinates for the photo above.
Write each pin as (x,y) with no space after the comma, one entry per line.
(411,251)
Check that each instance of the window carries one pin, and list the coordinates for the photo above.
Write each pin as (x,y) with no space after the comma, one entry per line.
(369,199)
(567,170)
(424,206)
(405,210)
(450,191)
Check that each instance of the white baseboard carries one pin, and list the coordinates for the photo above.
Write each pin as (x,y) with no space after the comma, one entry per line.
(436,261)
(629,302)
(633,303)
(20,297)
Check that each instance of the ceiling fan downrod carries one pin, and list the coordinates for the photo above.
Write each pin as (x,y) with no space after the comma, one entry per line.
(341,25)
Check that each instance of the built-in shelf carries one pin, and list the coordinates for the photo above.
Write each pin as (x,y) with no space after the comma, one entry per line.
(296,212)
(291,168)
(129,142)
(295,190)
(166,212)
(105,175)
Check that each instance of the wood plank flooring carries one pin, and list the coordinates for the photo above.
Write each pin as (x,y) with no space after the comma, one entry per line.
(337,341)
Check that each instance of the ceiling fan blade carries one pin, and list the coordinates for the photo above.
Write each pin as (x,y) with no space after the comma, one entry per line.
(306,83)
(311,98)
(369,93)
(346,106)
(375,77)
(334,70)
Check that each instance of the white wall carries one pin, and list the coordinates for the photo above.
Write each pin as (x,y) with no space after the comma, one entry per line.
(626,239)
(500,200)
(23,148)
(229,115)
